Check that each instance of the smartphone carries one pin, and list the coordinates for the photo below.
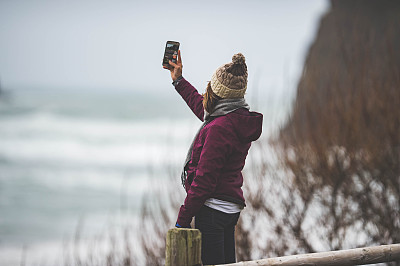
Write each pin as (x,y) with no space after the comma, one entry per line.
(171,48)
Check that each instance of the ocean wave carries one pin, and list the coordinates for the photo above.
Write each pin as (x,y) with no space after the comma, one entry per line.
(48,137)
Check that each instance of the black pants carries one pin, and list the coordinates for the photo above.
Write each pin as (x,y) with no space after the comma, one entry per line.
(217,235)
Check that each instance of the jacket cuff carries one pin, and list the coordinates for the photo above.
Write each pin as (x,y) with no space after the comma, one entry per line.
(184,222)
(176,82)
(182,84)
(178,225)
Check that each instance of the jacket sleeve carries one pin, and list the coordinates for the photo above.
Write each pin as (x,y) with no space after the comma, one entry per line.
(215,151)
(192,97)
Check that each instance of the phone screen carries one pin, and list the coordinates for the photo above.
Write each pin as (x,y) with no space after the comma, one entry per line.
(171,49)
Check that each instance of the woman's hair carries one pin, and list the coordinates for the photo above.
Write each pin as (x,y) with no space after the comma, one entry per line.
(210,99)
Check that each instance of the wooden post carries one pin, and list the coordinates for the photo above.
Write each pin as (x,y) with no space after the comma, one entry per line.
(357,256)
(183,247)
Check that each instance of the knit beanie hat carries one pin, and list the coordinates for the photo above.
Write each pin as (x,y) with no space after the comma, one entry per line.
(230,80)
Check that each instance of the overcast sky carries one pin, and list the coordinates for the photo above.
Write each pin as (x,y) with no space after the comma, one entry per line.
(112,45)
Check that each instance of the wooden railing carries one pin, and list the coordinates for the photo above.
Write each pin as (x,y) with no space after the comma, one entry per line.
(184,248)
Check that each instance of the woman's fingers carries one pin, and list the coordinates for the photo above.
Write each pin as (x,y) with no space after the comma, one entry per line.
(173,64)
(179,58)
(175,68)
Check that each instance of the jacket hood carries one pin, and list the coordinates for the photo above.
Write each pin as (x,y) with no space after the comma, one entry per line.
(248,125)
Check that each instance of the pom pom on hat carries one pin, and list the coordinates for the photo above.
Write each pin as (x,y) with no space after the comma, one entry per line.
(238,59)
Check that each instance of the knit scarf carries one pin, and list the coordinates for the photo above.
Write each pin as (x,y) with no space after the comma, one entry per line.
(223,107)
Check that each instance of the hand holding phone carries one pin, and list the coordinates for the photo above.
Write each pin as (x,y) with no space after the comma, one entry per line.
(170,53)
(175,63)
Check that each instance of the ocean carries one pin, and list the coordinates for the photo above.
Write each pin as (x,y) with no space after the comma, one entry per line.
(74,160)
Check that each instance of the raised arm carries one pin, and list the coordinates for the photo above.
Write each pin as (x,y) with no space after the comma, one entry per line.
(191,96)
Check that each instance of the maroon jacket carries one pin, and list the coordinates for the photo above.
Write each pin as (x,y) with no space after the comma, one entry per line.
(218,156)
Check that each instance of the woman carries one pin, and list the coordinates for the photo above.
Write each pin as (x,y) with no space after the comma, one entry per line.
(212,172)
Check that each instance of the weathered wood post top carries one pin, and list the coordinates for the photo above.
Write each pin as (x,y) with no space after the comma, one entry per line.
(183,247)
